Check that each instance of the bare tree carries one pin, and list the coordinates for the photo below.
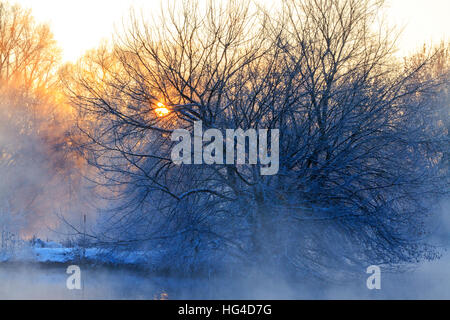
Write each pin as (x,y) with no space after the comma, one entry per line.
(28,52)
(35,153)
(359,155)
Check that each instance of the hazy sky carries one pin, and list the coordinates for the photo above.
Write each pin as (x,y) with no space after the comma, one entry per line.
(79,25)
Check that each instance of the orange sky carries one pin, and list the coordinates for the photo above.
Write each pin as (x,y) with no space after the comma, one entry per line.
(79,25)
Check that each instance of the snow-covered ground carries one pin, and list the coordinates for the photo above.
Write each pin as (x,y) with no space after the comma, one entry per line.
(52,252)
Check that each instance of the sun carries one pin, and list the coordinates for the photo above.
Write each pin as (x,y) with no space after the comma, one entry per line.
(162,110)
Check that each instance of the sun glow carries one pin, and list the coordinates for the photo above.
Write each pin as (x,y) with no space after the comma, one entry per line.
(162,110)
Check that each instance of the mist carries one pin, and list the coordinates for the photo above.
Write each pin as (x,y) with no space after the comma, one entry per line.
(359,147)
